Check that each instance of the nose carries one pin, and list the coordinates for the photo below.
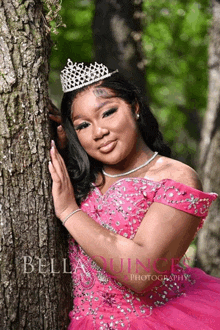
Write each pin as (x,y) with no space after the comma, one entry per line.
(99,132)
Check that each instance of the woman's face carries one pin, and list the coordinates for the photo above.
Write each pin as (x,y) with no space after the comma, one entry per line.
(106,127)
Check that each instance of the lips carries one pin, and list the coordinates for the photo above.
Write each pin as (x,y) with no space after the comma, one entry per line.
(107,146)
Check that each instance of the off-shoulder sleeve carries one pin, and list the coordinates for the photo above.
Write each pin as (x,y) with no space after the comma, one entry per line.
(184,198)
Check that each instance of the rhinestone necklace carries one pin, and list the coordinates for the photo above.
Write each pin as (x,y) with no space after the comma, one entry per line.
(131,171)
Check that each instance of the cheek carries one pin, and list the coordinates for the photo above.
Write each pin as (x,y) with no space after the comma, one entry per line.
(84,140)
(127,127)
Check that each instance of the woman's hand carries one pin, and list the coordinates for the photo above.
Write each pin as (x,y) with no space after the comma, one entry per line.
(62,189)
(54,114)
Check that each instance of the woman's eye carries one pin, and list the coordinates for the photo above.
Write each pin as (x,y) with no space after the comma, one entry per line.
(109,112)
(81,126)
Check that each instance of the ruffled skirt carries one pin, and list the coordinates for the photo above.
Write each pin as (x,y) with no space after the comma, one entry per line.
(197,309)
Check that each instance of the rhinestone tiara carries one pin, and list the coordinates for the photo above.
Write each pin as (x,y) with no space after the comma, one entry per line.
(77,75)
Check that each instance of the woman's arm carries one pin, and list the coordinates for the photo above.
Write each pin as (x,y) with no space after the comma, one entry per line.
(164,232)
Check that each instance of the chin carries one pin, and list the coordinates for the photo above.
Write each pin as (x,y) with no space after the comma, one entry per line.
(111,161)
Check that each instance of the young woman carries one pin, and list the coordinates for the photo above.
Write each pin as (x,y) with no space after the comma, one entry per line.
(131,212)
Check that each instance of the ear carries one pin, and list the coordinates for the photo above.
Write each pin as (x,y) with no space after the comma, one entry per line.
(137,109)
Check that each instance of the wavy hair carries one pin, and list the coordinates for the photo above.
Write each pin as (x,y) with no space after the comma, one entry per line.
(82,168)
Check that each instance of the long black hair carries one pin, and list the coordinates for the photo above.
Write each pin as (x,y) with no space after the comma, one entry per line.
(82,168)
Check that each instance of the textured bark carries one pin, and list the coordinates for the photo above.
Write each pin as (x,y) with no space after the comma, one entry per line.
(31,297)
(117,32)
(208,252)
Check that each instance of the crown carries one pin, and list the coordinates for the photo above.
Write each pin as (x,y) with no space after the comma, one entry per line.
(77,75)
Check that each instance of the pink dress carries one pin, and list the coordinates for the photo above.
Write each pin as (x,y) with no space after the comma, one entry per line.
(186,299)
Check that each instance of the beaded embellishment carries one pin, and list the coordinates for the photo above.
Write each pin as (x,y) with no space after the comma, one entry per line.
(108,303)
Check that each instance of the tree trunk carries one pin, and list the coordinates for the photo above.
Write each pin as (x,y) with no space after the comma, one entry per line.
(117,33)
(208,252)
(33,243)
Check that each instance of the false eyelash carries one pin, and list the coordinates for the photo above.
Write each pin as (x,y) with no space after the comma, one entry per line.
(81,126)
(109,112)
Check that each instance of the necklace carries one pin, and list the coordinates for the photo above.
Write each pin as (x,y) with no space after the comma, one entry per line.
(131,171)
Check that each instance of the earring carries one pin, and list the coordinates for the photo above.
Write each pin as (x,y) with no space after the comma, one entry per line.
(137,116)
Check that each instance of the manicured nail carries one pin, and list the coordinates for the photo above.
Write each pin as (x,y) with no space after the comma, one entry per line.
(52,144)
(60,128)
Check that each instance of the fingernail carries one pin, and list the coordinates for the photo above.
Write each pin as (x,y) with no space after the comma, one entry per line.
(52,144)
(60,128)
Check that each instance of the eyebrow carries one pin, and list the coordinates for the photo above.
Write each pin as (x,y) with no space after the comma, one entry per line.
(96,109)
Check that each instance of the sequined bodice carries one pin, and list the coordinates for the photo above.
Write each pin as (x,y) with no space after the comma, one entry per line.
(121,210)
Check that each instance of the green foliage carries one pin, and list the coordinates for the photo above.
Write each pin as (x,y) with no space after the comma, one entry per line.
(51,11)
(175,41)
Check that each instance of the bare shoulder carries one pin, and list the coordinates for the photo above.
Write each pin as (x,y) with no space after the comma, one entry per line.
(180,172)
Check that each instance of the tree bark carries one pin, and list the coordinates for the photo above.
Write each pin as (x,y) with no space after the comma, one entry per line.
(208,250)
(117,33)
(33,243)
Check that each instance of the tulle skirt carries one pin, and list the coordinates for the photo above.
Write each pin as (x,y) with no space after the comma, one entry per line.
(197,309)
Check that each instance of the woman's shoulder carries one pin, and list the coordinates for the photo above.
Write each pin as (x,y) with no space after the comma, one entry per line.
(181,188)
(168,168)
